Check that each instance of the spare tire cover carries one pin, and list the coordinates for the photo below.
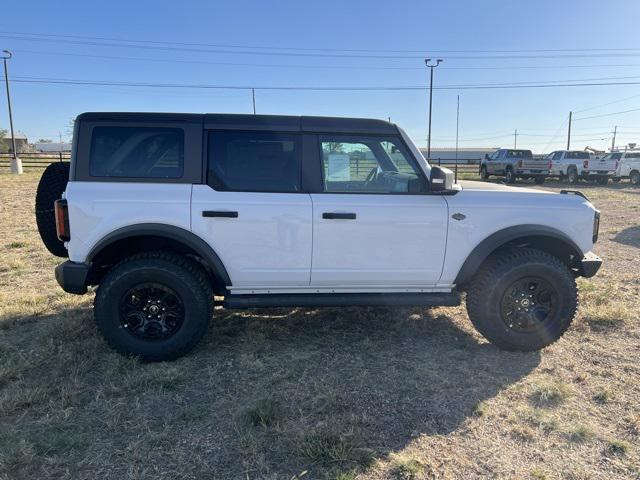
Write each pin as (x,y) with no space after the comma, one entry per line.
(52,184)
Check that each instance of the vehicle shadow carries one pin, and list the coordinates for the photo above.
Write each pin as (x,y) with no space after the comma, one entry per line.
(382,376)
(629,236)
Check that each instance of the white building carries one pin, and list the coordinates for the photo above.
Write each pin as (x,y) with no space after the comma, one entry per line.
(465,155)
(49,147)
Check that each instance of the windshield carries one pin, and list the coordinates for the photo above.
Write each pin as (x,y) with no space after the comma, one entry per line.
(580,155)
(519,154)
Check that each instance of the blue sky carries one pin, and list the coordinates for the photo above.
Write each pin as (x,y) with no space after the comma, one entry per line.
(447,29)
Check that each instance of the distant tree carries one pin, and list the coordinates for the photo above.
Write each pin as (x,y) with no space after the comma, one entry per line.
(334,147)
(70,124)
(45,140)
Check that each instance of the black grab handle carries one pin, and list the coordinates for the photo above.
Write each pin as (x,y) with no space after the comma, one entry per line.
(339,216)
(219,214)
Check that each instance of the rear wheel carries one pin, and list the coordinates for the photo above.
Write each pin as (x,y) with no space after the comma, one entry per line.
(634,177)
(509,176)
(154,306)
(53,183)
(572,176)
(522,299)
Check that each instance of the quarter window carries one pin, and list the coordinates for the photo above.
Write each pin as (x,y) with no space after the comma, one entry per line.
(255,162)
(137,152)
(367,165)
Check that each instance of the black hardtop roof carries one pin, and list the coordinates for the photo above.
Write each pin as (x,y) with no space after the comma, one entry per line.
(233,121)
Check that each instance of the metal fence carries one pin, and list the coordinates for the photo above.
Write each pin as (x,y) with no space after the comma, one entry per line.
(31,160)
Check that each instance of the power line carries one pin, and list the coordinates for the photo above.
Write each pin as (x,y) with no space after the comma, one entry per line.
(289,65)
(422,52)
(314,88)
(606,104)
(608,114)
(232,50)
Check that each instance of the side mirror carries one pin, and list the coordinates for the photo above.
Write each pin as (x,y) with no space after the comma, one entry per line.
(441,179)
(486,156)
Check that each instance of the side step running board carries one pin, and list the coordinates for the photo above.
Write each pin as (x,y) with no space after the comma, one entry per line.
(341,300)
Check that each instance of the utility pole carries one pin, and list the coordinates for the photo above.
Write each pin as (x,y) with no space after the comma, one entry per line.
(457,131)
(428,63)
(253,96)
(613,141)
(569,132)
(515,138)
(16,164)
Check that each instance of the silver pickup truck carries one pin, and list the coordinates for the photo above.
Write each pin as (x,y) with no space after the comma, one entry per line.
(513,164)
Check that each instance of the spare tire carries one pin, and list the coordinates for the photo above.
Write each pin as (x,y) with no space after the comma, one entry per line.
(52,184)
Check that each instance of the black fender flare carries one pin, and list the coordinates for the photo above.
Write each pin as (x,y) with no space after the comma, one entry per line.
(171,232)
(480,253)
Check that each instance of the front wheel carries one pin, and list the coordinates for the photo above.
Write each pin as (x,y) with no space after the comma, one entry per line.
(154,306)
(539,180)
(484,175)
(522,299)
(602,180)
(634,177)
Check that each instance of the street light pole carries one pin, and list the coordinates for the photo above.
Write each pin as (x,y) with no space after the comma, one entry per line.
(428,63)
(16,164)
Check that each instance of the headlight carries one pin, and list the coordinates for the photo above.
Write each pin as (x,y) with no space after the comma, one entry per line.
(596,226)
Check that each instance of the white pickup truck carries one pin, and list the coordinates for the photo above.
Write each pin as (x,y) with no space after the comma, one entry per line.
(601,169)
(568,164)
(629,167)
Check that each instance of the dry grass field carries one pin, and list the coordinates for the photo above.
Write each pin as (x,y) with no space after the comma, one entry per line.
(342,393)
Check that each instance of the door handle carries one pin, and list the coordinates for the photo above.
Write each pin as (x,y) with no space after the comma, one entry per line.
(219,214)
(339,216)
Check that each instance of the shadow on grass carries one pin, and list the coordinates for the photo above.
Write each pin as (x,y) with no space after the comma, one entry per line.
(355,383)
(629,236)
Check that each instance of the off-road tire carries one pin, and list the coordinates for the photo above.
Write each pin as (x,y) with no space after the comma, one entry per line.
(634,178)
(509,176)
(539,180)
(53,183)
(602,180)
(182,275)
(484,175)
(572,175)
(497,274)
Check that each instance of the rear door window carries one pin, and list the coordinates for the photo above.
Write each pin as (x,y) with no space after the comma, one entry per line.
(255,162)
(137,152)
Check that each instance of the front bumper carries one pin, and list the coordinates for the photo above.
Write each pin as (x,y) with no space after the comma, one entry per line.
(589,265)
(72,277)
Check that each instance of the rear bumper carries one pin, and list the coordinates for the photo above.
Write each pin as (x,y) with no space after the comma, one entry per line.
(598,173)
(72,277)
(532,172)
(589,265)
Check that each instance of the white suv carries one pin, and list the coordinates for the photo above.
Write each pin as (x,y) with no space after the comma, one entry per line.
(163,211)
